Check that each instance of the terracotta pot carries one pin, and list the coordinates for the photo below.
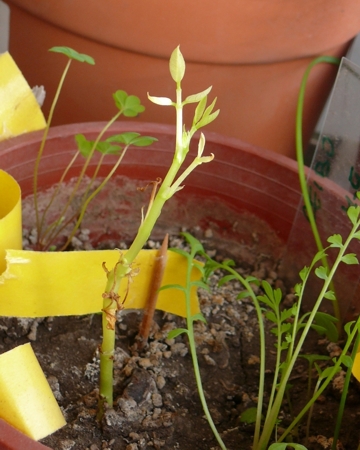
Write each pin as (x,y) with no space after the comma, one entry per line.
(238,195)
(12,439)
(253,53)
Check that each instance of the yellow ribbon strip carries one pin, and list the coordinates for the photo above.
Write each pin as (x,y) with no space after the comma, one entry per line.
(19,111)
(26,399)
(10,216)
(38,284)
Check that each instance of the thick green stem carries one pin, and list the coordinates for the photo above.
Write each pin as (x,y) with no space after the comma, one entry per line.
(123,267)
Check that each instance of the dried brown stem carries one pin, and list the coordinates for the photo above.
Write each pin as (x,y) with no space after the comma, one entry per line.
(158,273)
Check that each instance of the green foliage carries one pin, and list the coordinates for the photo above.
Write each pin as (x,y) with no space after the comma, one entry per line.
(107,147)
(177,65)
(128,105)
(73,54)
(172,182)
(291,329)
(285,446)
(248,416)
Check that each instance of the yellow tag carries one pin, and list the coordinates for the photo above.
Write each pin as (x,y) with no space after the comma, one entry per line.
(356,366)
(38,284)
(26,400)
(19,110)
(10,216)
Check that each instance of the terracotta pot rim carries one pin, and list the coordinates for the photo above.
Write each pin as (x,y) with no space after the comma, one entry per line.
(148,127)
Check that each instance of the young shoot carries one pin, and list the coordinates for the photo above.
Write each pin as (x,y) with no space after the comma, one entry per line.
(290,328)
(172,182)
(127,105)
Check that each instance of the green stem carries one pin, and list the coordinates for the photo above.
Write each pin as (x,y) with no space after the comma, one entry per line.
(42,145)
(123,267)
(324,385)
(56,231)
(345,393)
(270,423)
(259,314)
(53,196)
(195,362)
(301,166)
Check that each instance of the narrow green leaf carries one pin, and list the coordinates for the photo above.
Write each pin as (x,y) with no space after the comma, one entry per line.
(335,240)
(143,141)
(265,299)
(328,322)
(129,104)
(350,258)
(198,316)
(330,295)
(321,272)
(251,279)
(243,294)
(123,138)
(285,327)
(304,273)
(286,314)
(347,361)
(229,263)
(297,289)
(172,286)
(108,149)
(205,120)
(356,235)
(199,111)
(180,252)
(177,65)
(73,54)
(175,333)
(328,372)
(162,101)
(198,97)
(353,213)
(319,255)
(195,244)
(200,284)
(270,315)
(347,327)
(282,446)
(226,279)
(249,415)
(313,358)
(84,146)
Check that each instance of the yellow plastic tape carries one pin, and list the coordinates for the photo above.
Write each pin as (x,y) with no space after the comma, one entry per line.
(356,366)
(19,111)
(10,216)
(38,284)
(26,400)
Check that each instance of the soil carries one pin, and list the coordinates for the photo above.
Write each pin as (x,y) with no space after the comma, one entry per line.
(156,402)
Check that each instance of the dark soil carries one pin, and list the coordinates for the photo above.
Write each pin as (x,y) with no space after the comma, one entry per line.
(156,402)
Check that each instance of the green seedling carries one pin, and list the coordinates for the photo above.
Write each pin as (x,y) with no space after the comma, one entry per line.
(290,327)
(349,366)
(127,105)
(162,192)
(301,167)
